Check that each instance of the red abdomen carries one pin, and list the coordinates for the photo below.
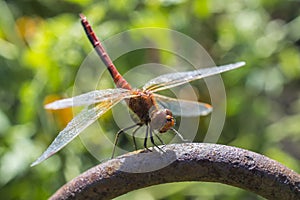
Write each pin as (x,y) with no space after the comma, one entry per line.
(117,77)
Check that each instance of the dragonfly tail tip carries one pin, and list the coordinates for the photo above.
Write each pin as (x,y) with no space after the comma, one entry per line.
(82,16)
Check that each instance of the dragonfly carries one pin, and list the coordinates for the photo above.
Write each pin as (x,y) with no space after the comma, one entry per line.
(154,111)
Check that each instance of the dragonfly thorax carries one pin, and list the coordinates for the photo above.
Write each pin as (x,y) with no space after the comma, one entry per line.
(142,104)
(161,120)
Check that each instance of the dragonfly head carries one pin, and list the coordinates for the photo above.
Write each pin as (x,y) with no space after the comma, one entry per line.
(162,120)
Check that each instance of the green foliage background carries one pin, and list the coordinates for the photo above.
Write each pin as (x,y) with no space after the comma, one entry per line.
(42,45)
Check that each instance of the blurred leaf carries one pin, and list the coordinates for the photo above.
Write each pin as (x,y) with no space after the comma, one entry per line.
(7,22)
(4,123)
(8,50)
(15,161)
(290,63)
(285,127)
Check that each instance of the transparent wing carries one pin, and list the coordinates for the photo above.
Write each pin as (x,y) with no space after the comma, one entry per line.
(76,126)
(174,79)
(90,98)
(182,107)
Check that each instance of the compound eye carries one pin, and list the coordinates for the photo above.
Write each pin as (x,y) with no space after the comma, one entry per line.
(169,118)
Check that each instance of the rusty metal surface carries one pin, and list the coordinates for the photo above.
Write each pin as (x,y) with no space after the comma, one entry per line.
(185,162)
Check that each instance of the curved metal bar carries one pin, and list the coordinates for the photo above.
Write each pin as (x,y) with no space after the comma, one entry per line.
(192,162)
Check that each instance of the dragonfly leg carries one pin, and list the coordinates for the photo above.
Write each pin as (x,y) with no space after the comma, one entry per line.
(152,140)
(118,135)
(160,140)
(180,136)
(133,135)
(146,137)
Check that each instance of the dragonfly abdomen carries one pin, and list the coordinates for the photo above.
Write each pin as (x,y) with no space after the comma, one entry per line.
(118,78)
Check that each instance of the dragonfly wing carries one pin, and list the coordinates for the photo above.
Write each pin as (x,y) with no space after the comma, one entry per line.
(89,98)
(174,79)
(76,126)
(182,107)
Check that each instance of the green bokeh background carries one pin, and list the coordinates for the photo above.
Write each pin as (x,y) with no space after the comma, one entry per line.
(42,45)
